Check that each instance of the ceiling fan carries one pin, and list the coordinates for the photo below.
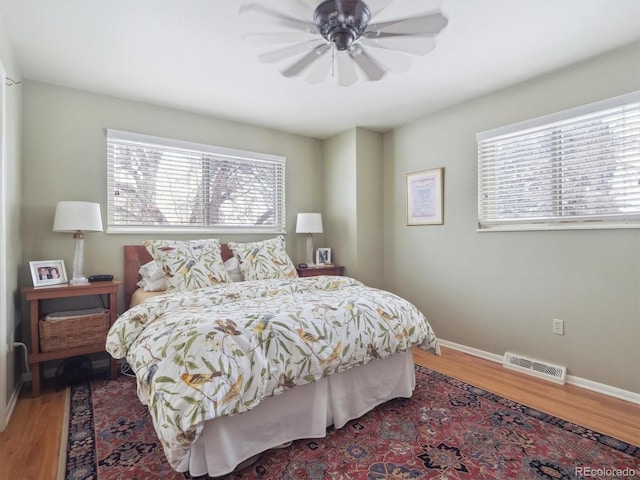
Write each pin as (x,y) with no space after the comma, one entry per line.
(343,38)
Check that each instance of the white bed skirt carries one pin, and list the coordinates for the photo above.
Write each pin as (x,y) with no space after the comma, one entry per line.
(302,412)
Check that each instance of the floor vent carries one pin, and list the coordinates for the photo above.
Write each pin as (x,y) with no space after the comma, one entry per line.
(548,371)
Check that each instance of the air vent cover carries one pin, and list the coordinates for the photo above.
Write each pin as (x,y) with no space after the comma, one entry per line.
(537,368)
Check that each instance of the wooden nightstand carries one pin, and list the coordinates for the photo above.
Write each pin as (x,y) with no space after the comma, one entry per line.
(33,295)
(324,270)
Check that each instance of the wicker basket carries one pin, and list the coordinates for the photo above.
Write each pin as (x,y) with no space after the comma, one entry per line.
(64,330)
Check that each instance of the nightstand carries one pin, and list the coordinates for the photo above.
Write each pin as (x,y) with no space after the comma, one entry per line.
(38,354)
(323,270)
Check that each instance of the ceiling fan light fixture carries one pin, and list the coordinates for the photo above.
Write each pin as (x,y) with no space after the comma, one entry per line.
(350,44)
(342,22)
(341,40)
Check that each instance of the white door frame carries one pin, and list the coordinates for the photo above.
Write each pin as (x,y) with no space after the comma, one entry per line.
(4,321)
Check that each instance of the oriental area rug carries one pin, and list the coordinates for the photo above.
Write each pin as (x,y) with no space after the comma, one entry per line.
(447,430)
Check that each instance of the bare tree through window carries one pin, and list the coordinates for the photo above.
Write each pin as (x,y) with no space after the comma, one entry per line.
(158,185)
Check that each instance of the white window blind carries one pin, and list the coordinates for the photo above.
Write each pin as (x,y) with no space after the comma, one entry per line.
(164,185)
(575,169)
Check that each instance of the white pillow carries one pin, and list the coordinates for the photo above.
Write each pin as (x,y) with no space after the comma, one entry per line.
(158,285)
(151,271)
(233,269)
(152,278)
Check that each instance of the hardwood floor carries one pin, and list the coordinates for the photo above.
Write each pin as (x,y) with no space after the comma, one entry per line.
(593,410)
(30,446)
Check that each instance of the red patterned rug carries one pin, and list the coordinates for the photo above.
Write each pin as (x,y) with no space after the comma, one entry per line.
(447,430)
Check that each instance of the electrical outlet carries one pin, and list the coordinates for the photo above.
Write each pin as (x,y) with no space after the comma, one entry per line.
(558,326)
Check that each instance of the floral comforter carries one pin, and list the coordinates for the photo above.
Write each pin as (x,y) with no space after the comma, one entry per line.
(219,351)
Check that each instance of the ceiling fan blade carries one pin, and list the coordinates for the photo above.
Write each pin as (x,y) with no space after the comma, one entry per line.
(320,69)
(345,69)
(422,25)
(370,67)
(278,37)
(286,52)
(391,60)
(280,17)
(388,7)
(414,44)
(304,7)
(298,67)
(378,6)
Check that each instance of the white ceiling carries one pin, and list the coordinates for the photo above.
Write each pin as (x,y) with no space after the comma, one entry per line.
(192,55)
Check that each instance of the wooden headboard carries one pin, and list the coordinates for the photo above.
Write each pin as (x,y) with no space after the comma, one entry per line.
(137,255)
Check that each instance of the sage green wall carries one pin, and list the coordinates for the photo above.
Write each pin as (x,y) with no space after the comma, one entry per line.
(500,291)
(340,200)
(11,363)
(353,200)
(65,159)
(370,202)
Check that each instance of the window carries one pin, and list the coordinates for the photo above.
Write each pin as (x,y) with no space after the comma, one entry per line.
(163,185)
(574,169)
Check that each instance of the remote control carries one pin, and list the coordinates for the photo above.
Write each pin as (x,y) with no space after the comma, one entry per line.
(101,278)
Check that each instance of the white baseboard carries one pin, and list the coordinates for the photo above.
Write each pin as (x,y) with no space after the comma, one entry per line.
(571,379)
(604,389)
(12,403)
(471,351)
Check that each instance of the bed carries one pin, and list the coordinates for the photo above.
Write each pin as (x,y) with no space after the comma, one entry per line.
(232,370)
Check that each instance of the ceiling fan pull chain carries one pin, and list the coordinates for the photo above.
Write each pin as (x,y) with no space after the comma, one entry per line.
(333,60)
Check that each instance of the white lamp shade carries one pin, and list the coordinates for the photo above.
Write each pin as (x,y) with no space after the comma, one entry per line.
(73,216)
(309,223)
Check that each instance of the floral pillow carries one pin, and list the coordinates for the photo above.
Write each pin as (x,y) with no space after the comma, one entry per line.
(264,260)
(189,265)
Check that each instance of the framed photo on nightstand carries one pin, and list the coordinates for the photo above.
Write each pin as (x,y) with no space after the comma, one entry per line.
(323,256)
(48,272)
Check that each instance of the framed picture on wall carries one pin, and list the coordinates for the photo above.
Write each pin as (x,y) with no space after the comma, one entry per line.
(323,256)
(425,197)
(48,272)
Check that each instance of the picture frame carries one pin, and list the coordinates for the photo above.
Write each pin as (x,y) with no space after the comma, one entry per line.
(323,256)
(425,197)
(48,272)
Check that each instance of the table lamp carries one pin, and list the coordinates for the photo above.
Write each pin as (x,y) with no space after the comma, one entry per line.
(309,223)
(77,217)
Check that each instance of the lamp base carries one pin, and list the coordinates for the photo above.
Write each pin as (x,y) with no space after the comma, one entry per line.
(310,250)
(78,260)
